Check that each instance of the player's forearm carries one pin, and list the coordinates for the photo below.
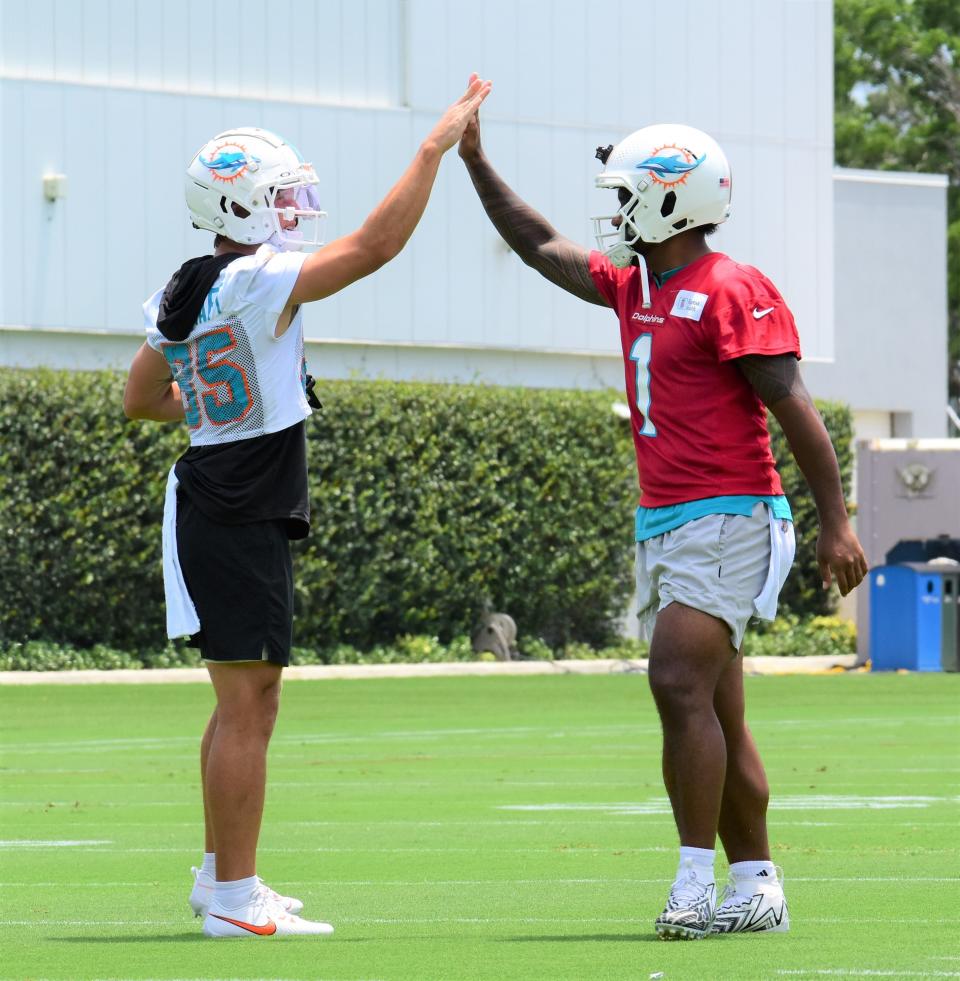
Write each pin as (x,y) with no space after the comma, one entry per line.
(389,226)
(163,405)
(810,444)
(519,225)
(530,235)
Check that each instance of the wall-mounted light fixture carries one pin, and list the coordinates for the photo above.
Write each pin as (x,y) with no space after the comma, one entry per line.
(54,186)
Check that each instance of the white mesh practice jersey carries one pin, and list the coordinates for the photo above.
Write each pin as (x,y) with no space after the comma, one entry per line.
(237,380)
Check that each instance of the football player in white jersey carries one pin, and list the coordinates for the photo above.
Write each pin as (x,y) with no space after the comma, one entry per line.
(224,353)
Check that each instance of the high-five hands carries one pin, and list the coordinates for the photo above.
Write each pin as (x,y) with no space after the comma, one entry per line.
(470,140)
(453,122)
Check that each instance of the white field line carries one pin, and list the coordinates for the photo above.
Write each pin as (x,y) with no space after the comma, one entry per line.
(163,743)
(560,849)
(630,921)
(64,843)
(7,770)
(799,802)
(320,784)
(655,806)
(323,783)
(602,821)
(557,849)
(791,802)
(75,804)
(366,825)
(842,972)
(421,883)
(138,742)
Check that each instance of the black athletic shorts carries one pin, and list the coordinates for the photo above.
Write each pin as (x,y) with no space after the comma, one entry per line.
(240,578)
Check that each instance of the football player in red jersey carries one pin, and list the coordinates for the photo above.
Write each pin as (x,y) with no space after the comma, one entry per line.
(709,345)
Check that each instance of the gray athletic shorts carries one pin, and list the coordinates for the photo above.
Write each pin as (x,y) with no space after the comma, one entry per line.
(728,565)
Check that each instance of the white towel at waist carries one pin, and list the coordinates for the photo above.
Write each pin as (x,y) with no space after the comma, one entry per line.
(783,545)
(182,619)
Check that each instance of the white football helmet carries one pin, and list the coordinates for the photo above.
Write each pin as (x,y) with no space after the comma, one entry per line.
(244,181)
(674,178)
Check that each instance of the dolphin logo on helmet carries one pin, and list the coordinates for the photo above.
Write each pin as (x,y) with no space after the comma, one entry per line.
(229,164)
(672,166)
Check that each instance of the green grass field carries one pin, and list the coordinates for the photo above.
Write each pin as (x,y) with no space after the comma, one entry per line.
(476,828)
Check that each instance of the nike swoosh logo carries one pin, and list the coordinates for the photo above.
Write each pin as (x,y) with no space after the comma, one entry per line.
(757,314)
(268,929)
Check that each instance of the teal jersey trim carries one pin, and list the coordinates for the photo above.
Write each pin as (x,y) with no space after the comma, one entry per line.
(661,278)
(651,522)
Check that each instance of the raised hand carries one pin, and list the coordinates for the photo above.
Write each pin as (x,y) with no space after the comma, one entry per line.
(470,140)
(453,122)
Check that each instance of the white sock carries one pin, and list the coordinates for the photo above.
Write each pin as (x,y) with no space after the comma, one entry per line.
(698,859)
(234,895)
(209,864)
(754,870)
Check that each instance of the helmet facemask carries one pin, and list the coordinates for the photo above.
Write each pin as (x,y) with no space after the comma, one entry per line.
(618,244)
(295,203)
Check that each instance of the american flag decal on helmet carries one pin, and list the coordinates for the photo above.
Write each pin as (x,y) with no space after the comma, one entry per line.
(724,181)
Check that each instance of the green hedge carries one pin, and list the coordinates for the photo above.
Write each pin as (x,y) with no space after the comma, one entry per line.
(430,504)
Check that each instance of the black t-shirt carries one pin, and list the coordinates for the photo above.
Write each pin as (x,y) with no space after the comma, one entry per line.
(259,479)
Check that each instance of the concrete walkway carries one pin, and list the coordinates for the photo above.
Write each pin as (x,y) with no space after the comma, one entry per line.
(325,672)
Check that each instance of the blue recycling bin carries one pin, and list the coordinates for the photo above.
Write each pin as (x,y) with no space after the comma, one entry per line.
(906,617)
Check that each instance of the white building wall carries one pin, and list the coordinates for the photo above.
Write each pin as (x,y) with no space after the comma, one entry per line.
(890,360)
(118,94)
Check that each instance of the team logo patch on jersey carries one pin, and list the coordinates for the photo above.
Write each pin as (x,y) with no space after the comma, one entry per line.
(689,304)
(228,161)
(670,164)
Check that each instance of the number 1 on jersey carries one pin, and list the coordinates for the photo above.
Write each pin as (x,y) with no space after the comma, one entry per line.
(640,352)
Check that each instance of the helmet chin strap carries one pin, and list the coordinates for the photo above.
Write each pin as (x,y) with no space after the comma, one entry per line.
(622,255)
(644,280)
(282,243)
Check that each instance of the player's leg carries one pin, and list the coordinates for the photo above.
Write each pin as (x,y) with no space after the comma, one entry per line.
(706,575)
(688,653)
(248,697)
(204,756)
(753,900)
(743,810)
(204,877)
(245,617)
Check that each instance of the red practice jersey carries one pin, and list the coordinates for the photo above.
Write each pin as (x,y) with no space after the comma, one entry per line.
(699,428)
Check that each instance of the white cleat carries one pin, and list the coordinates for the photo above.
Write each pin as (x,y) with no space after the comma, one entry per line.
(259,918)
(689,910)
(201,896)
(754,905)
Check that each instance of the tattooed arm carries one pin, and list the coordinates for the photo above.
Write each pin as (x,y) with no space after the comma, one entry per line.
(776,379)
(525,230)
